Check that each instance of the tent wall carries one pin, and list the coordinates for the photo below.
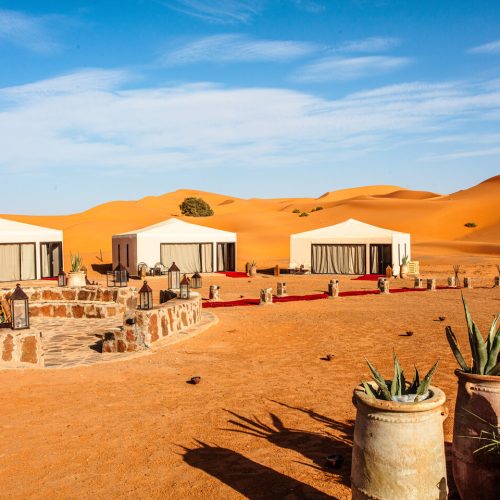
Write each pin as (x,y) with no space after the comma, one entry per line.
(124,251)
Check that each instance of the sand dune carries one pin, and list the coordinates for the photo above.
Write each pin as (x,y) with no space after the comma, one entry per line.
(264,225)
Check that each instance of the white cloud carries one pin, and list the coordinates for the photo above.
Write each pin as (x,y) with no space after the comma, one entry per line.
(349,68)
(372,44)
(238,48)
(476,153)
(73,122)
(218,11)
(29,32)
(487,48)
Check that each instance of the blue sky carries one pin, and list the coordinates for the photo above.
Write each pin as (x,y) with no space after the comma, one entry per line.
(254,98)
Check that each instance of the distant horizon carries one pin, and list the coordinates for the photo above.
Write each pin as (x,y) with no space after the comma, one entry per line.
(281,98)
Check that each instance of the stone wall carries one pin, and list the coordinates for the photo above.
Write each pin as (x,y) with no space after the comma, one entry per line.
(142,328)
(84,302)
(21,348)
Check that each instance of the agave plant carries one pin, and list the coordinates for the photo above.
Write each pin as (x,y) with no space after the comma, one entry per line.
(398,387)
(489,438)
(405,260)
(76,262)
(485,355)
(456,270)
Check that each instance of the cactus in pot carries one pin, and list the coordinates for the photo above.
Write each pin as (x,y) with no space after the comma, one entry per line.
(477,406)
(76,277)
(252,268)
(403,272)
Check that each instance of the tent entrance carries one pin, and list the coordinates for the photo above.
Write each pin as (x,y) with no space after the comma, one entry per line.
(338,259)
(51,258)
(17,261)
(226,256)
(380,258)
(189,257)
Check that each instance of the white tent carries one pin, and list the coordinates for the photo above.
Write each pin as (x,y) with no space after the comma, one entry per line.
(29,252)
(192,247)
(351,247)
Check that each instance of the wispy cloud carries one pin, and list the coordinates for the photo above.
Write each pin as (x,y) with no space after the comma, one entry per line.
(238,48)
(72,121)
(349,68)
(29,32)
(218,11)
(487,48)
(309,6)
(475,153)
(368,45)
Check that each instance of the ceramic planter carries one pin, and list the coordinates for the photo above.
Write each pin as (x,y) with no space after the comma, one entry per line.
(403,271)
(477,475)
(76,279)
(398,449)
(252,271)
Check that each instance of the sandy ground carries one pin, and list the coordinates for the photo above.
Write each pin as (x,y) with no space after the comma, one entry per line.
(264,417)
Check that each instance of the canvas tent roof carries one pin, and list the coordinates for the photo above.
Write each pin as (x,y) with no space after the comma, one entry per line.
(349,229)
(192,232)
(13,231)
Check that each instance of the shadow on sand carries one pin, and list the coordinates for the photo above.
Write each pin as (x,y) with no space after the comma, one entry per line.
(251,479)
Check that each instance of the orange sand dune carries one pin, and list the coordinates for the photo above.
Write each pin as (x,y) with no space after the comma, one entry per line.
(264,225)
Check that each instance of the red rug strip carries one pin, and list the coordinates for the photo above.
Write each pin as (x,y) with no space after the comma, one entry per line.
(233,274)
(369,277)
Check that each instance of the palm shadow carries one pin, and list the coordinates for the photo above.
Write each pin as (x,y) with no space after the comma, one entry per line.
(313,446)
(251,479)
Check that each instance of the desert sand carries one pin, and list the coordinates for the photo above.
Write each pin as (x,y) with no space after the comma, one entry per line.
(268,409)
(436,222)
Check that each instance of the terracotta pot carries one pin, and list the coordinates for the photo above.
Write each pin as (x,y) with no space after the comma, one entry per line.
(398,448)
(403,271)
(76,279)
(252,271)
(477,475)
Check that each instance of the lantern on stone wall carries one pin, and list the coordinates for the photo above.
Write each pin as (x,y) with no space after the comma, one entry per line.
(145,297)
(185,288)
(62,279)
(174,277)
(19,309)
(120,275)
(196,281)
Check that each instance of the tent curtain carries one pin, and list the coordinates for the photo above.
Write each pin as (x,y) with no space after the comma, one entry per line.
(206,258)
(10,266)
(185,256)
(221,257)
(28,271)
(374,258)
(339,259)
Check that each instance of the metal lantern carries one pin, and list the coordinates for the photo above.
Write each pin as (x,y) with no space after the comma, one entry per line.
(19,309)
(185,288)
(174,277)
(196,280)
(120,275)
(62,279)
(145,297)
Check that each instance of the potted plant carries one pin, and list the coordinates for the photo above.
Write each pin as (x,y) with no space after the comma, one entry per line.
(252,268)
(398,448)
(403,271)
(76,277)
(476,472)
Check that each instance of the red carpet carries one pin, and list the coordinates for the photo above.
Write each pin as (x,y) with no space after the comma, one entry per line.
(369,277)
(233,274)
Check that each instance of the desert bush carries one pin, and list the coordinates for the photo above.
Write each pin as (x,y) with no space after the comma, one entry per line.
(296,211)
(195,207)
(470,224)
(316,209)
(304,214)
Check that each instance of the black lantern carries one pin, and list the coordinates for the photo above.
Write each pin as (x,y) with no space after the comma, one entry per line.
(185,288)
(196,280)
(19,309)
(174,277)
(118,277)
(145,297)
(62,279)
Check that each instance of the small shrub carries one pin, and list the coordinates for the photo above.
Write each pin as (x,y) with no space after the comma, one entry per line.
(195,207)
(316,209)
(296,211)
(304,214)
(470,224)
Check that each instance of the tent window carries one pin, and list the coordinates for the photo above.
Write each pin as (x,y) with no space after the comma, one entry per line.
(338,259)
(189,257)
(51,258)
(226,253)
(380,258)
(17,261)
